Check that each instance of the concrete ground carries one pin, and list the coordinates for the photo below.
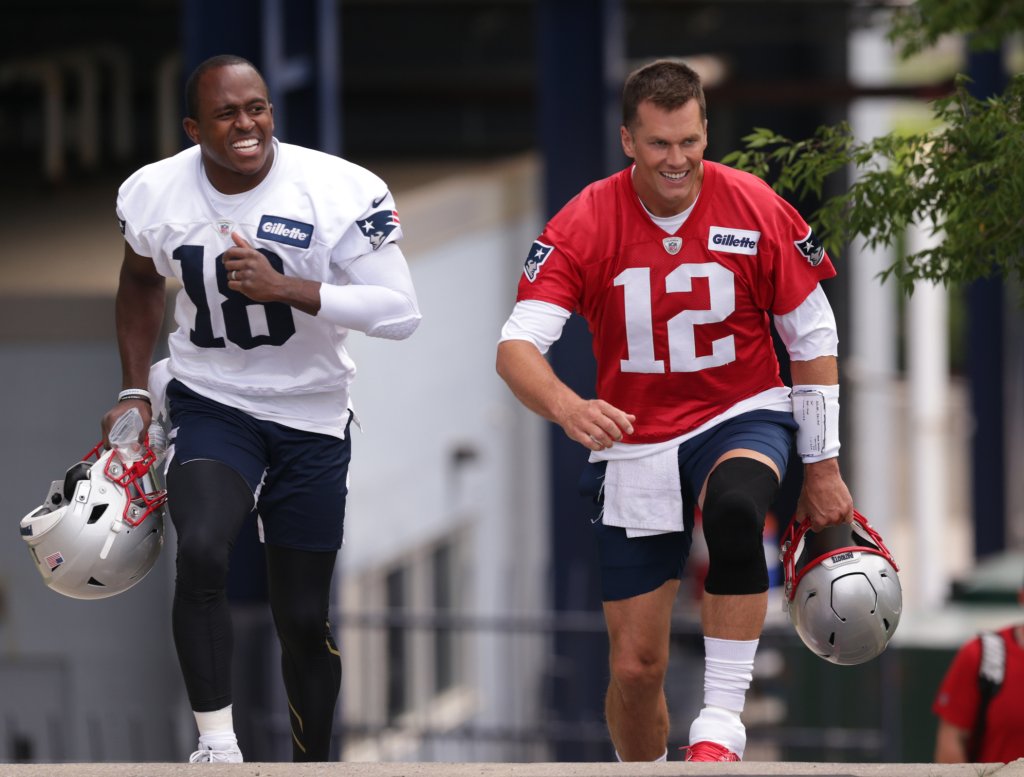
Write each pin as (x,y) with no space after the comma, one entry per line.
(749,769)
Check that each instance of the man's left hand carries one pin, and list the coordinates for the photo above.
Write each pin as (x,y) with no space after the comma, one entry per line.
(824,498)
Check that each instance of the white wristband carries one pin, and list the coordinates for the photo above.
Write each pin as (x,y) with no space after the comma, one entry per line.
(135,393)
(816,410)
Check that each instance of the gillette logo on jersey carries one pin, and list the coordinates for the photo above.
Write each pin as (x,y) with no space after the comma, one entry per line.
(733,241)
(282,230)
(378,226)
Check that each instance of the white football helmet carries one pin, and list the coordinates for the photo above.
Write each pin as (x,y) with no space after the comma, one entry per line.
(101,528)
(842,591)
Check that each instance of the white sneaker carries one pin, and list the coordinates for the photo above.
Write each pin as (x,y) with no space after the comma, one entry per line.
(225,755)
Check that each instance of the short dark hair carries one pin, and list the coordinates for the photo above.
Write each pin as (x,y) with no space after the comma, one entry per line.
(667,83)
(204,67)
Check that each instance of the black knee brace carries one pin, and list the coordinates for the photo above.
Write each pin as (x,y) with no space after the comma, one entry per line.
(739,493)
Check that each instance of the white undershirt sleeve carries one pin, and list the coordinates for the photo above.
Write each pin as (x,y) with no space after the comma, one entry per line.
(540,323)
(809,331)
(379,299)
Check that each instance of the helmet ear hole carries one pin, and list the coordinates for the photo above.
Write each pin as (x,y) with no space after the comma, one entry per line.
(96,514)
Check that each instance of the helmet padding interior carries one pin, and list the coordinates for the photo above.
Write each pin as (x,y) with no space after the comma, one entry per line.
(819,543)
(75,473)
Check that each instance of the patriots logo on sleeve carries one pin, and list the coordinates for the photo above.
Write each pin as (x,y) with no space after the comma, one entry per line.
(539,254)
(377,226)
(811,249)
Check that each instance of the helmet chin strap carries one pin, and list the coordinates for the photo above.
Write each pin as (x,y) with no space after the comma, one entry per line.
(115,528)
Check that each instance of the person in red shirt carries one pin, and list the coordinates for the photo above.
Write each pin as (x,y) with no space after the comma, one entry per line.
(959,697)
(679,266)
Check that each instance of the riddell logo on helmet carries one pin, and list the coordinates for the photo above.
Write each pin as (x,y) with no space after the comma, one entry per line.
(841,557)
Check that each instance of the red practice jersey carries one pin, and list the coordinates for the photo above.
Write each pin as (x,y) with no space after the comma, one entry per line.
(680,323)
(958,699)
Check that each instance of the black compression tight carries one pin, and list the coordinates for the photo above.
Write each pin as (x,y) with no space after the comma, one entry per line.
(300,584)
(209,503)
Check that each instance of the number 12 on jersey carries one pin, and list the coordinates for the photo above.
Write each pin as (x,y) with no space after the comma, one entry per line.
(682,341)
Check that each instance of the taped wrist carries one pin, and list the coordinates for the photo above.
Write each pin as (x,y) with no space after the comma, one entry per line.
(816,410)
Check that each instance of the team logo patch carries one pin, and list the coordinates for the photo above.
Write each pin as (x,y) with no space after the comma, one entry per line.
(672,244)
(539,254)
(282,230)
(54,560)
(811,249)
(377,226)
(733,241)
(223,227)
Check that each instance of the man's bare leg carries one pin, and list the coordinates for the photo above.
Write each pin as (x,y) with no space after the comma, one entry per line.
(733,617)
(635,707)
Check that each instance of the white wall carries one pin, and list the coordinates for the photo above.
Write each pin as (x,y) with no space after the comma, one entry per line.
(420,399)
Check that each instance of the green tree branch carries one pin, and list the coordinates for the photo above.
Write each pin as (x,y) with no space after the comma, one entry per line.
(965,178)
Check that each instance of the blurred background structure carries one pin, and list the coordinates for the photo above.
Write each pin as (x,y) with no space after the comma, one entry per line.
(467,609)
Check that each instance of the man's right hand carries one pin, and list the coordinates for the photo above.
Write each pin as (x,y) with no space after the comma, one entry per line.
(118,410)
(595,424)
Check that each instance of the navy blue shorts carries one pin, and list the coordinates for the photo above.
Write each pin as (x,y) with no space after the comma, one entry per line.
(634,566)
(300,478)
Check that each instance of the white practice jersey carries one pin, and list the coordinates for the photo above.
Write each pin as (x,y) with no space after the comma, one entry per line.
(311,217)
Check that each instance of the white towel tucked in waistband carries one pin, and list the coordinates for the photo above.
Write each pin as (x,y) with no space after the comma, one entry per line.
(642,495)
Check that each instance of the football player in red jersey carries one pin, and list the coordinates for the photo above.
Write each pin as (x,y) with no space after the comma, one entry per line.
(981,719)
(679,265)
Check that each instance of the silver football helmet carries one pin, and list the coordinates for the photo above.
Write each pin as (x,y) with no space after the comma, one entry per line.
(842,591)
(101,528)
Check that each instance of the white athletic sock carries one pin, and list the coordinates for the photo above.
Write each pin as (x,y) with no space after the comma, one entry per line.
(664,757)
(716,724)
(728,669)
(216,728)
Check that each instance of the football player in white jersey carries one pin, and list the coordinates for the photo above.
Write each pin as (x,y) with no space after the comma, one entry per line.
(678,265)
(280,251)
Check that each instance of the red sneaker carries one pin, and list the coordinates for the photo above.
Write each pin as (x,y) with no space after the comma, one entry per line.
(709,751)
